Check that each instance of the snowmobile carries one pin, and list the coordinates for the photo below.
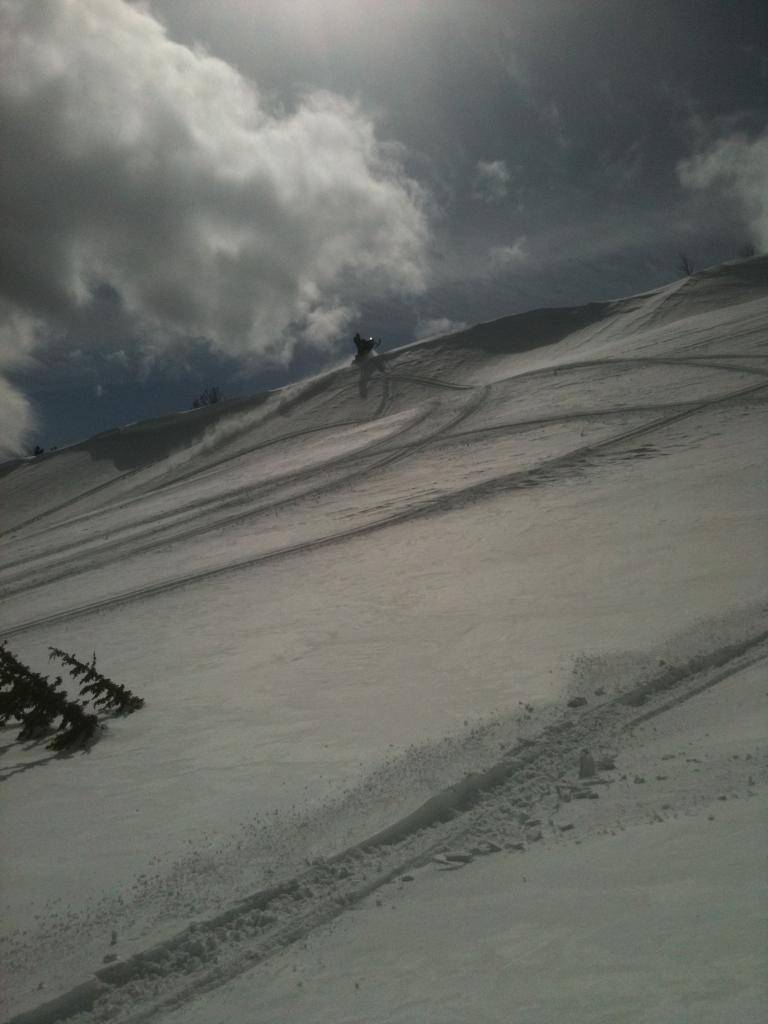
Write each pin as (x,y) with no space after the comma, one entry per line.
(364,348)
(366,362)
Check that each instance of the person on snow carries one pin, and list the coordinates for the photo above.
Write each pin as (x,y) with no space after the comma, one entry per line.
(364,345)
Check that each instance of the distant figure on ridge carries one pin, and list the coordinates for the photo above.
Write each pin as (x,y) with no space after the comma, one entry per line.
(364,346)
(366,362)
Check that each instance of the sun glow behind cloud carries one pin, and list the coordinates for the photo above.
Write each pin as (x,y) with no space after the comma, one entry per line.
(326,26)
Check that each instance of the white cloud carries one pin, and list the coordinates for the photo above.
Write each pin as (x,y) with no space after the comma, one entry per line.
(17,421)
(437,328)
(157,175)
(506,257)
(740,166)
(492,180)
(325,324)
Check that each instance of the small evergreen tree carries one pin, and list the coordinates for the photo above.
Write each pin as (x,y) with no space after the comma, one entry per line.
(36,703)
(685,264)
(210,396)
(105,694)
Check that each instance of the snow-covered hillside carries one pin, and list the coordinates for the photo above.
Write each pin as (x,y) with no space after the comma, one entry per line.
(340,598)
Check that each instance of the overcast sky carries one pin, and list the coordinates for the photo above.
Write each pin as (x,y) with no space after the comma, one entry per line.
(196,193)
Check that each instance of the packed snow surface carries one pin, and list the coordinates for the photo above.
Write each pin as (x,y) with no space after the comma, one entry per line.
(339,599)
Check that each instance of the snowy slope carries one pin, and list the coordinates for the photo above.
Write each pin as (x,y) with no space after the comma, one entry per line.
(336,598)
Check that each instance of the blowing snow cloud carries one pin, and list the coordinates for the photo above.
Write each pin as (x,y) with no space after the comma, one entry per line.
(156,175)
(740,165)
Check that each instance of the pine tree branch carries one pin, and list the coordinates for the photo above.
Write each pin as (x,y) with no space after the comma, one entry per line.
(103,692)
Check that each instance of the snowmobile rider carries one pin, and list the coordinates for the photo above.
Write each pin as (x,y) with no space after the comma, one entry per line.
(364,345)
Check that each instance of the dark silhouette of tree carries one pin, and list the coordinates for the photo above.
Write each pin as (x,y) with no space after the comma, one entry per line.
(76,729)
(685,264)
(38,450)
(106,695)
(36,703)
(26,696)
(747,251)
(209,397)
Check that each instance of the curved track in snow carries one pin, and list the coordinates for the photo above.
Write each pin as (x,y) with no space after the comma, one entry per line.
(239,496)
(454,499)
(131,497)
(158,537)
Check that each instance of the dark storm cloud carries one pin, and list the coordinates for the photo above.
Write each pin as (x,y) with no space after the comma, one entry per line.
(558,122)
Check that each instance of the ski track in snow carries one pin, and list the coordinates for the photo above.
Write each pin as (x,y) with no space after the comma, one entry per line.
(125,501)
(242,496)
(244,493)
(301,475)
(177,479)
(583,364)
(452,500)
